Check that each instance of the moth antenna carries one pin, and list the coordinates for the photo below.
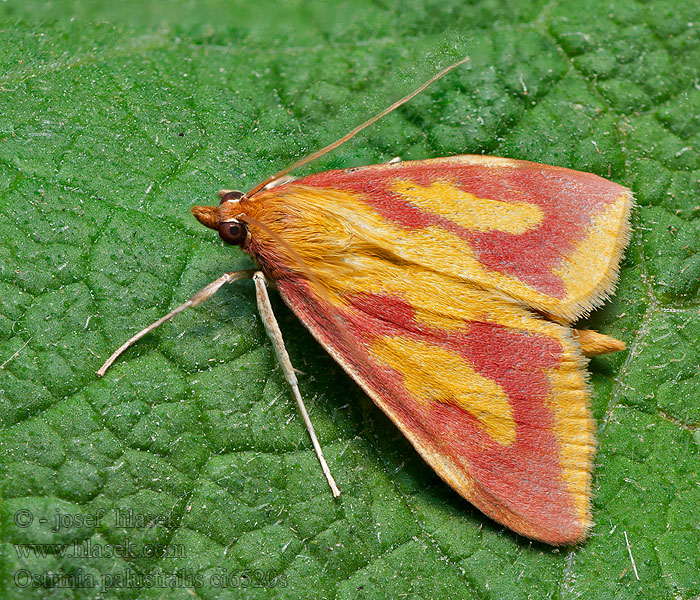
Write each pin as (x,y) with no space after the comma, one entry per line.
(357,129)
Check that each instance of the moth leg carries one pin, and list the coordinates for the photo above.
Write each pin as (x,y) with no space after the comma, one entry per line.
(204,294)
(275,335)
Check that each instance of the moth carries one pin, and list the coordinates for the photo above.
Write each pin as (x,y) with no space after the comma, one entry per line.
(446,288)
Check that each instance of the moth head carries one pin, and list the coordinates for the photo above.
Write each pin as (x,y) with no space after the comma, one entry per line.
(224,218)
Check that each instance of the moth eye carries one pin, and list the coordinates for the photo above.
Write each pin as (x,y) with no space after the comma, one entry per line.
(233,232)
(231,195)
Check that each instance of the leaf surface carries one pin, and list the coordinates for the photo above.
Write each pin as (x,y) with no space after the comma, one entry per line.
(114,121)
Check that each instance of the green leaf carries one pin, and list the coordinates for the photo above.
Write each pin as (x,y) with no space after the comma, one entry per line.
(186,470)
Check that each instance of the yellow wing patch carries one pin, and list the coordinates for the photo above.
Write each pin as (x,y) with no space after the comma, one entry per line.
(424,368)
(468,210)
